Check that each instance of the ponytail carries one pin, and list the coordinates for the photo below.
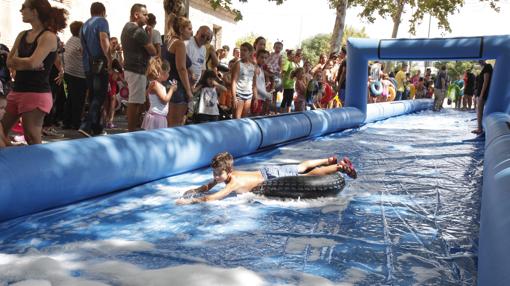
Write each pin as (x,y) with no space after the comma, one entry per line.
(52,18)
(57,21)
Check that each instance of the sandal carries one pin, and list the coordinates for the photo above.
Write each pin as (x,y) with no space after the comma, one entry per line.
(332,160)
(477,131)
(348,168)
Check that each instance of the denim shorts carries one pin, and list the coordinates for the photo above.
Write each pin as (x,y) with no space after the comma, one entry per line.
(179,96)
(244,97)
(272,172)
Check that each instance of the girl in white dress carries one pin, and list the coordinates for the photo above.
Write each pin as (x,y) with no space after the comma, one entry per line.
(158,97)
(208,90)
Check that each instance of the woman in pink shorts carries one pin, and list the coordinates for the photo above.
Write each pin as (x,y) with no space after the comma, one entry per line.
(32,56)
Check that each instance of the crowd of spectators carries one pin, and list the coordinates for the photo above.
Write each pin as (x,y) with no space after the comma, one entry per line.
(170,80)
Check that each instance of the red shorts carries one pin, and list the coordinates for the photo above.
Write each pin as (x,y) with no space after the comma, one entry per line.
(22,102)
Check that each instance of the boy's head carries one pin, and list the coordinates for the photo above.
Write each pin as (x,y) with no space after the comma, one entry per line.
(223,165)
(236,52)
(278,47)
(262,56)
(3,104)
(246,50)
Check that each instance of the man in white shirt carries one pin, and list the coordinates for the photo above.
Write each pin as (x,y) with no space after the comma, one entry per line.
(195,49)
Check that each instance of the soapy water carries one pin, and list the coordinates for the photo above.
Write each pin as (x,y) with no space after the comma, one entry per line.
(411,217)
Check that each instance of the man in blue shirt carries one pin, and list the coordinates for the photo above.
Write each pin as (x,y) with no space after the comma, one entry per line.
(95,40)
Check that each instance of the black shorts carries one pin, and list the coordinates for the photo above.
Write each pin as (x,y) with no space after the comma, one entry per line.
(288,96)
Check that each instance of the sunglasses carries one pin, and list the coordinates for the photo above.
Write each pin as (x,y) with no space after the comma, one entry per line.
(205,37)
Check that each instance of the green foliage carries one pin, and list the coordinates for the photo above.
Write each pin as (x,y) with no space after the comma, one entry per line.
(457,68)
(320,44)
(439,9)
(314,46)
(227,4)
(250,38)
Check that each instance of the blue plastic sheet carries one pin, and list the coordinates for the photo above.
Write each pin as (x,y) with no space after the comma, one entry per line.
(411,217)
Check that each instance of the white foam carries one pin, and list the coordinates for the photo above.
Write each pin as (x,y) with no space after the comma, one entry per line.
(55,266)
(32,283)
(422,274)
(190,275)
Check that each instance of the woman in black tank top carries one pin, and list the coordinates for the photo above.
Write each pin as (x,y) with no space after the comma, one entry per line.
(32,56)
(181,101)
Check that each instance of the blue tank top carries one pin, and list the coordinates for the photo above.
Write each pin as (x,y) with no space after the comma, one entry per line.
(32,80)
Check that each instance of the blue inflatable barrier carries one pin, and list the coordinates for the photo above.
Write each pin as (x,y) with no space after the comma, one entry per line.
(494,249)
(360,51)
(40,177)
(376,112)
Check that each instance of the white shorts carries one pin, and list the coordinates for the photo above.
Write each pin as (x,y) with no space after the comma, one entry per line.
(137,84)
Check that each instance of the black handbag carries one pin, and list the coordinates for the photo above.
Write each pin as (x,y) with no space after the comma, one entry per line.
(96,64)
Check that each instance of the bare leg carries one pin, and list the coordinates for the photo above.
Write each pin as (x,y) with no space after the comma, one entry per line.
(238,109)
(32,126)
(176,114)
(469,101)
(8,121)
(133,115)
(479,115)
(266,107)
(326,170)
(328,166)
(246,108)
(310,164)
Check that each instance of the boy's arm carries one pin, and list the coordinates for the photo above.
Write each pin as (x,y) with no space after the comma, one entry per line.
(216,196)
(201,189)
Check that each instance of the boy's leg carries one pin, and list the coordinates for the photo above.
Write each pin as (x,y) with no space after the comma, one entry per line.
(325,170)
(344,166)
(304,166)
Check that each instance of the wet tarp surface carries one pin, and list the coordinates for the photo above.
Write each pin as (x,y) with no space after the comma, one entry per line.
(411,217)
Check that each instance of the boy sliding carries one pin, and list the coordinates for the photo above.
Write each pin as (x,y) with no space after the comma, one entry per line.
(245,181)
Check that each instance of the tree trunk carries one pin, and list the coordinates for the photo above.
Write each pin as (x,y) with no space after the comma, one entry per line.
(338,30)
(396,23)
(174,9)
(397,17)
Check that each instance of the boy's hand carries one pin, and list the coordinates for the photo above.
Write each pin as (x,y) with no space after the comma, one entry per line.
(190,193)
(183,201)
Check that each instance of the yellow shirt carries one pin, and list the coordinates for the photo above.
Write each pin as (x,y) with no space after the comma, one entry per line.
(400,78)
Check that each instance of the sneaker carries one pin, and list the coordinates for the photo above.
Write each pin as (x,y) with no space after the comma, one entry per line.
(19,139)
(102,133)
(52,132)
(84,133)
(346,167)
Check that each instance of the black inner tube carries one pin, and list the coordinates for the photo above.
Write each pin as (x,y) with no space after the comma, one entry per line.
(305,187)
